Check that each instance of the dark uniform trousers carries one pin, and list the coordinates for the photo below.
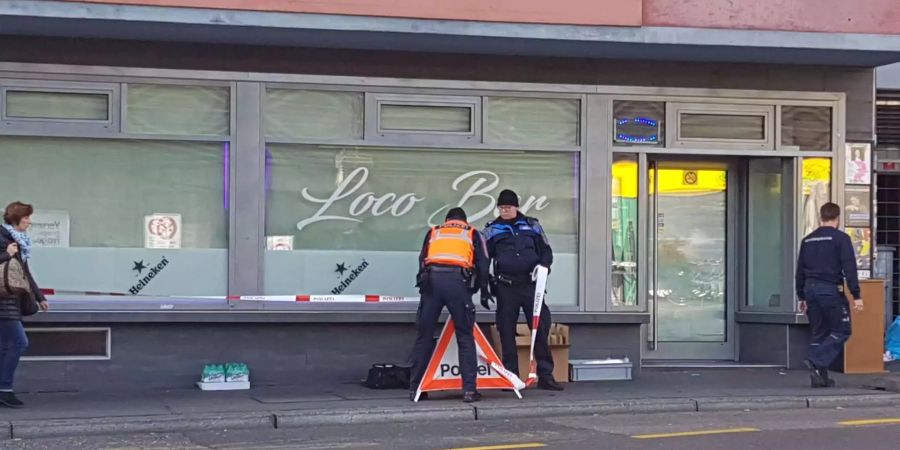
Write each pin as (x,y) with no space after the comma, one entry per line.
(446,287)
(511,299)
(828,312)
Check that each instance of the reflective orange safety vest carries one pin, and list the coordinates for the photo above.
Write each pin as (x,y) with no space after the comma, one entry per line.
(451,245)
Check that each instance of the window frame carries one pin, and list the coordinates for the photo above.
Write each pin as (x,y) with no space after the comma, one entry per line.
(641,260)
(374,131)
(792,192)
(111,125)
(675,111)
(837,127)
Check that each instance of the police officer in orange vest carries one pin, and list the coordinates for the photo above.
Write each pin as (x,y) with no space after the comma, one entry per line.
(453,265)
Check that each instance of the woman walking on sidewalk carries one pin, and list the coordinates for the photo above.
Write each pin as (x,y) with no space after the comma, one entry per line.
(14,243)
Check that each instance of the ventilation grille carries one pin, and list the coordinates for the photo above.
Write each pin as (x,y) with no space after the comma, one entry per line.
(63,344)
(887,119)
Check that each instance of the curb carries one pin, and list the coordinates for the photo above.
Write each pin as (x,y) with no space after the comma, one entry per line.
(751,403)
(23,429)
(290,419)
(585,408)
(854,401)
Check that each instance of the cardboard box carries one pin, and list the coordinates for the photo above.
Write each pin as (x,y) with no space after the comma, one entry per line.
(559,349)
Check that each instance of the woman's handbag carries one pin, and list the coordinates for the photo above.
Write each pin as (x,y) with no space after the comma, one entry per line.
(14,282)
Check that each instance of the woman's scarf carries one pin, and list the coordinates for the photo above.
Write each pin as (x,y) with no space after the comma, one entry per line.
(22,239)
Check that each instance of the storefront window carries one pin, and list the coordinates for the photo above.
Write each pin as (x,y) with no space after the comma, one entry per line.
(350,220)
(624,223)
(765,233)
(122,217)
(816,191)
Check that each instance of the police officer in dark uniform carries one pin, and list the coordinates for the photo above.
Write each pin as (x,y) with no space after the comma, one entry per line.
(826,260)
(517,244)
(453,265)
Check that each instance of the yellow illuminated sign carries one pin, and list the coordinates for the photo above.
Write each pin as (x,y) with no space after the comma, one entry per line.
(671,181)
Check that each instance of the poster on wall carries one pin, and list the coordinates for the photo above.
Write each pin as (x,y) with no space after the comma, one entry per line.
(858,206)
(862,246)
(49,228)
(162,230)
(858,163)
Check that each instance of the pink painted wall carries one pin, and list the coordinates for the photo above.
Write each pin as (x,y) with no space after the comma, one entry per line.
(837,16)
(576,12)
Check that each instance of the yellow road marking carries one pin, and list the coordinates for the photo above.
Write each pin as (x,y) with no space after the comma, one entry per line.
(869,422)
(504,447)
(695,433)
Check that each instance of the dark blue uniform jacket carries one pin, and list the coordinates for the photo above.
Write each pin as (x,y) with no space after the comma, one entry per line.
(517,245)
(827,256)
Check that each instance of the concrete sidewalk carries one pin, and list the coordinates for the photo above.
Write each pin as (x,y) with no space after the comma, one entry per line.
(657,390)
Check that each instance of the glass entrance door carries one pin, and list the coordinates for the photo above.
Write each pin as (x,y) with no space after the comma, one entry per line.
(690,258)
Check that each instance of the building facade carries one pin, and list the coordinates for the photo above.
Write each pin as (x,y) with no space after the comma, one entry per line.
(227,180)
(887,131)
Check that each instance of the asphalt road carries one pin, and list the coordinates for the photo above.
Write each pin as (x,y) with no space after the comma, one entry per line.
(870,429)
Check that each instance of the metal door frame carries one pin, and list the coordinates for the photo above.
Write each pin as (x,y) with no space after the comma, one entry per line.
(734,213)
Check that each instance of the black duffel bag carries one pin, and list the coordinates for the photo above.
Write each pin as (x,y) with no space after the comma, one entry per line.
(387,376)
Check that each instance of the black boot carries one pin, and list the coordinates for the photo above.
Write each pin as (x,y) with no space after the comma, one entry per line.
(9,399)
(549,384)
(816,378)
(828,382)
(470,397)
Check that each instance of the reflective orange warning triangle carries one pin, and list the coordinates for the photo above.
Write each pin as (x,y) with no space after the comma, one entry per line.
(442,373)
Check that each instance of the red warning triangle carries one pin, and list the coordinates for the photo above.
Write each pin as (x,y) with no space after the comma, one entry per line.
(442,373)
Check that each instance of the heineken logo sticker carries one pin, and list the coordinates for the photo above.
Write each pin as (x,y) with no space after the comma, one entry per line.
(151,273)
(354,274)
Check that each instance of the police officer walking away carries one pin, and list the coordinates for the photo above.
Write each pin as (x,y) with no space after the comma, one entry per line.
(453,265)
(826,260)
(517,244)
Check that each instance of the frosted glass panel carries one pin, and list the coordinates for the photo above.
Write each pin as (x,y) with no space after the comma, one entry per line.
(56,105)
(314,114)
(179,110)
(533,121)
(454,119)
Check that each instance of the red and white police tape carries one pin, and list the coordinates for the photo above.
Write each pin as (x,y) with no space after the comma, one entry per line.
(267,298)
(327,298)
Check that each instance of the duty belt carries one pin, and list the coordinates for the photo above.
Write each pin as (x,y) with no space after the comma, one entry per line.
(509,280)
(839,287)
